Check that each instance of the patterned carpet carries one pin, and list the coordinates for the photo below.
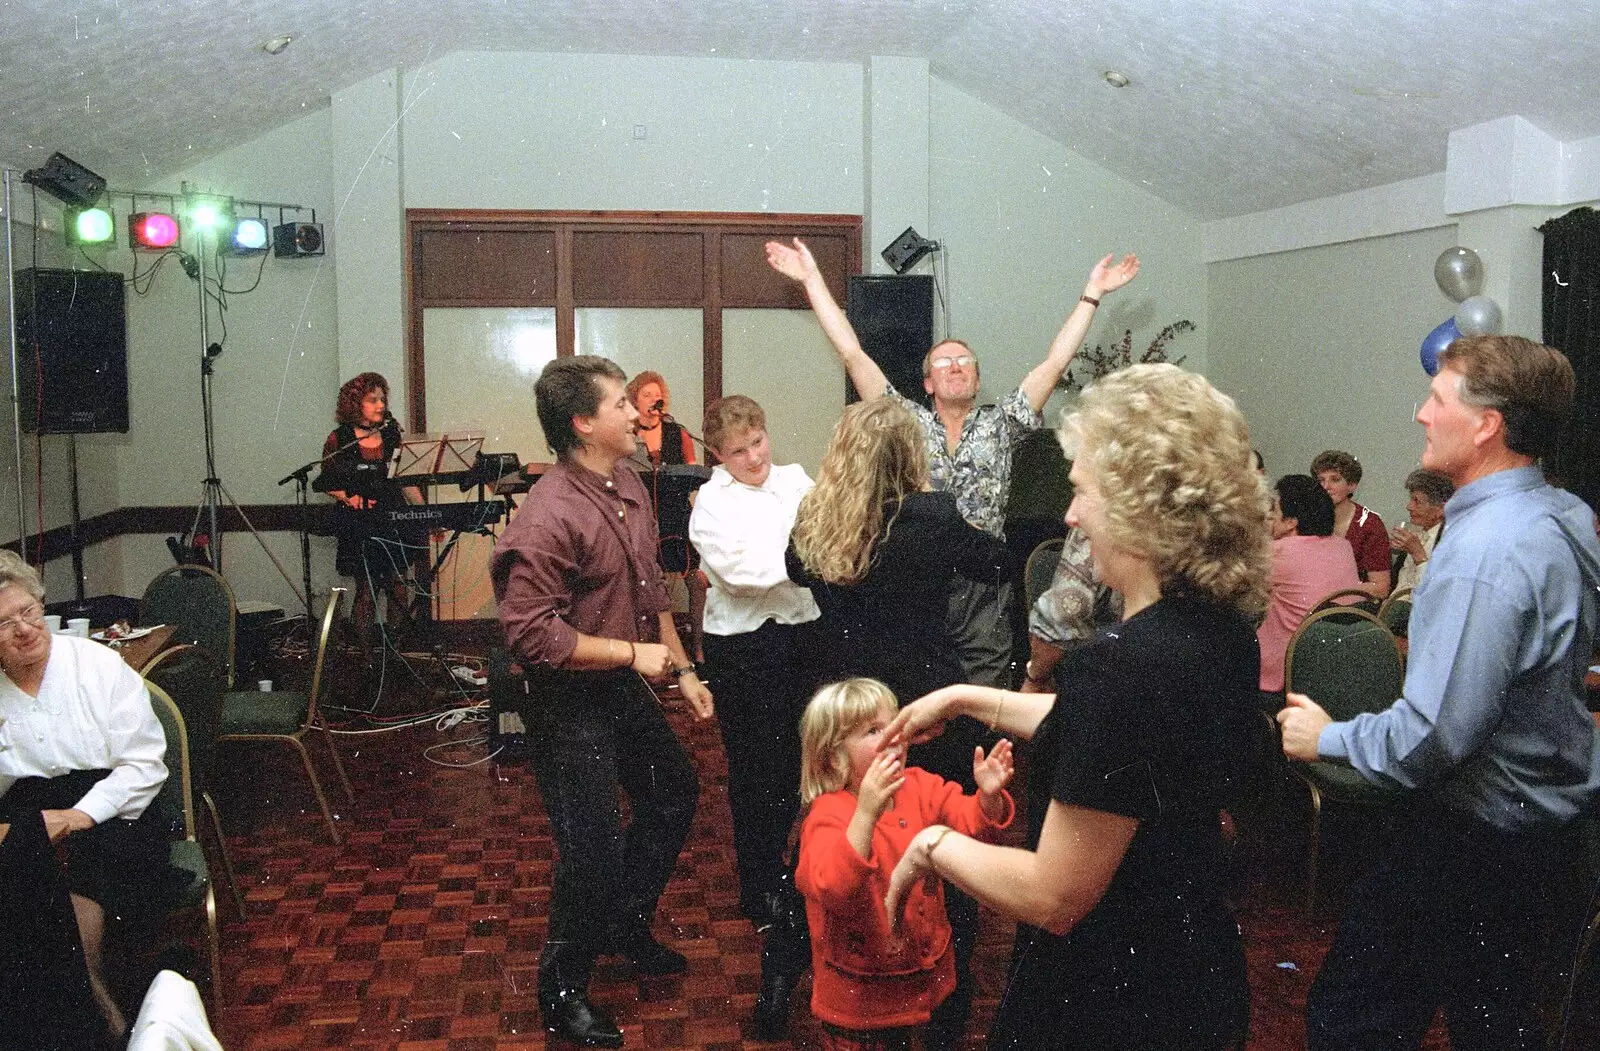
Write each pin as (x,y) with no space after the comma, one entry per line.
(422,931)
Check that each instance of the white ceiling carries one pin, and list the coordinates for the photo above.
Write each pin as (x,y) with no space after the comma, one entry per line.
(1235,105)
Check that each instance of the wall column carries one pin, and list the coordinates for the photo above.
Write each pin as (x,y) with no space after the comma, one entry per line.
(897,170)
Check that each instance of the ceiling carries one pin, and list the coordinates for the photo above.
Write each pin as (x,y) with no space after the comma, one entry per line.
(1234,106)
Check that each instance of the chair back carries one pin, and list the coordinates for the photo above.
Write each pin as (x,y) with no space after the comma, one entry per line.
(329,613)
(1396,611)
(200,605)
(1343,600)
(1346,661)
(176,797)
(193,678)
(1041,568)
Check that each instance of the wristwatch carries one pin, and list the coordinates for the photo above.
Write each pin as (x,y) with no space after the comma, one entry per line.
(1027,670)
(678,673)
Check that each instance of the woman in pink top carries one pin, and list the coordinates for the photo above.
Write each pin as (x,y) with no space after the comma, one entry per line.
(1307,563)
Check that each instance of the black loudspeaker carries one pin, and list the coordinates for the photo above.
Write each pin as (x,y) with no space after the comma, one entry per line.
(893,318)
(72,351)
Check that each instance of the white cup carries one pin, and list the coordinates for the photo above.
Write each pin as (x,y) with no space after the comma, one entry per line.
(53,622)
(264,685)
(78,626)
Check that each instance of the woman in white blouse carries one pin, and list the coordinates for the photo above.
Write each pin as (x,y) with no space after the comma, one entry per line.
(79,743)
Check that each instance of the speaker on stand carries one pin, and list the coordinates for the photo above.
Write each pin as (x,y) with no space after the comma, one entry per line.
(893,318)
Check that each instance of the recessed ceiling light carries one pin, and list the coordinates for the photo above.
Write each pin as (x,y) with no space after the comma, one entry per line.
(1116,78)
(277,45)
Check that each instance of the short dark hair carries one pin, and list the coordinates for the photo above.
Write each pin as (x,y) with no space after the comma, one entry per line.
(355,390)
(1436,488)
(1305,501)
(1348,466)
(568,387)
(1528,383)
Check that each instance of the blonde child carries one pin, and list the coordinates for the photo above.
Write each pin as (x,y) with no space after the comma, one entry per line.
(871,987)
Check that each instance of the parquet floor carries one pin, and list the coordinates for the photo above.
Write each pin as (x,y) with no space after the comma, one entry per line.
(422,932)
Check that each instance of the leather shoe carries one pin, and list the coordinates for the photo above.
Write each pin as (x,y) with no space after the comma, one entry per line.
(572,1017)
(772,1007)
(648,956)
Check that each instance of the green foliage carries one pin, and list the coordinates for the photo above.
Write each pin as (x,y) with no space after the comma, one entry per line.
(1098,362)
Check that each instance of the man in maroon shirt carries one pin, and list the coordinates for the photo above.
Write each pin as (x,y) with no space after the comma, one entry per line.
(584,607)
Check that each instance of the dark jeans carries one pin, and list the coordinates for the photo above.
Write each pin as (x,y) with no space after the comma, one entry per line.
(591,733)
(1452,916)
(762,682)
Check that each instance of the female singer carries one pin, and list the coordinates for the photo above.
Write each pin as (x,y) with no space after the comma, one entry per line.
(662,438)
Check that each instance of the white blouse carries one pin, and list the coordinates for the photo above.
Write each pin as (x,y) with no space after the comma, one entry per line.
(92,713)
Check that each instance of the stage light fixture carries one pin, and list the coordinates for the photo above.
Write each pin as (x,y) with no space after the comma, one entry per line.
(249,237)
(67,181)
(210,214)
(291,240)
(156,231)
(907,250)
(88,226)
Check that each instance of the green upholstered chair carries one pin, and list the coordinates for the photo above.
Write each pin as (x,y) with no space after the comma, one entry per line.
(175,802)
(1349,663)
(1396,611)
(289,716)
(1041,568)
(1343,599)
(199,604)
(193,678)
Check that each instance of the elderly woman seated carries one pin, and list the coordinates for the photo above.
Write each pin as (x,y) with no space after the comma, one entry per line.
(80,743)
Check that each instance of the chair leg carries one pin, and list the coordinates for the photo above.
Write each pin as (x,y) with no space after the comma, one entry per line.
(316,786)
(1315,849)
(222,849)
(214,944)
(338,764)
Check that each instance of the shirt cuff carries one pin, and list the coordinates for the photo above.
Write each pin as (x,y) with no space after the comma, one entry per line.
(1331,744)
(96,807)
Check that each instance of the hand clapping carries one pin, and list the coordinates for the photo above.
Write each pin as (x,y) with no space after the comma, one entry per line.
(992,772)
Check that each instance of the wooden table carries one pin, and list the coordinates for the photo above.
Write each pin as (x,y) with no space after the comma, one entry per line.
(142,650)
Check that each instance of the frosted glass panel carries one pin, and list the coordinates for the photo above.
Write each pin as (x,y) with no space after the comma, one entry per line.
(782,360)
(481,365)
(668,340)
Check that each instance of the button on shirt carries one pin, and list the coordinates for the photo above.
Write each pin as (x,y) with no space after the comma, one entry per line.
(741,532)
(979,471)
(1492,721)
(561,567)
(92,713)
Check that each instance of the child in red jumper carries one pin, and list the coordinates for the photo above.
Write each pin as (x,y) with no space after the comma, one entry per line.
(871,987)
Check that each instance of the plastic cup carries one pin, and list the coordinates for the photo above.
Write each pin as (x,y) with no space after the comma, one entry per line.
(53,622)
(264,685)
(78,626)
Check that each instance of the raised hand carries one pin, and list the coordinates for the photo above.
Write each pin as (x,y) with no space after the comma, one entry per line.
(883,779)
(1108,276)
(993,772)
(794,262)
(923,719)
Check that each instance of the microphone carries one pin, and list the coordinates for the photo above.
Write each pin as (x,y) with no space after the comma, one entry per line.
(660,405)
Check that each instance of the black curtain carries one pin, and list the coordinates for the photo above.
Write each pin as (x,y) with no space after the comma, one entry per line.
(1572,326)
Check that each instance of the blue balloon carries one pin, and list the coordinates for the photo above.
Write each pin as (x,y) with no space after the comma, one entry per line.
(1434,343)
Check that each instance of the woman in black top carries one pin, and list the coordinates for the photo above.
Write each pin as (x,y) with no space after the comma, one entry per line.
(879,553)
(355,472)
(1125,941)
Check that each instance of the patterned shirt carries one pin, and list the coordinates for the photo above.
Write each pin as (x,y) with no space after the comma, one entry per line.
(979,471)
(1076,602)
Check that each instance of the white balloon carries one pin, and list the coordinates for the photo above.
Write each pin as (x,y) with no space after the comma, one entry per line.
(1459,272)
(1478,316)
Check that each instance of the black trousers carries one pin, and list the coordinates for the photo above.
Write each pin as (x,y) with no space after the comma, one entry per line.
(762,682)
(592,733)
(1452,916)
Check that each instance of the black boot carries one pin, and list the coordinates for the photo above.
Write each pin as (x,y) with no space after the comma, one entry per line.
(570,1015)
(785,954)
(649,957)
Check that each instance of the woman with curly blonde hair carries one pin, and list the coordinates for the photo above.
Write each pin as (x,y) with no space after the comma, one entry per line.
(1123,925)
(880,554)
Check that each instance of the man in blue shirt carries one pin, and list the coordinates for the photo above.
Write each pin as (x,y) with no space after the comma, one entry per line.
(1491,742)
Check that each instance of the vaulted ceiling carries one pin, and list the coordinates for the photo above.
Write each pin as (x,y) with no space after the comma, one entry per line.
(1233,106)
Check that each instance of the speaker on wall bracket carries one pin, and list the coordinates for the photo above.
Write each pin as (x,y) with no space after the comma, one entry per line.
(893,318)
(72,351)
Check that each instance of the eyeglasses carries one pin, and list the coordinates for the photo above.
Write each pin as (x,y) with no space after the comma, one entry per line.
(33,616)
(964,360)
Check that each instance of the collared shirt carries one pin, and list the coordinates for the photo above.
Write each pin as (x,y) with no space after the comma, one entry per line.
(979,471)
(1492,721)
(1411,570)
(1076,602)
(561,567)
(92,713)
(741,532)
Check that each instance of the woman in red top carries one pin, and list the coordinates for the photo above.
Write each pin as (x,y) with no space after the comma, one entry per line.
(870,986)
(1339,473)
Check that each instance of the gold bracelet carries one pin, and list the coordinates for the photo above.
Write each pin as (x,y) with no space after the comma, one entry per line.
(943,832)
(633,654)
(999,706)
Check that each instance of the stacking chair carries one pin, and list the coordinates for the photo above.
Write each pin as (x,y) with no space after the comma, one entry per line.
(1396,611)
(1041,568)
(176,799)
(193,679)
(1339,601)
(1347,662)
(200,604)
(289,715)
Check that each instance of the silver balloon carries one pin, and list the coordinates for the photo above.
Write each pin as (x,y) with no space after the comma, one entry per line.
(1459,272)
(1478,316)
